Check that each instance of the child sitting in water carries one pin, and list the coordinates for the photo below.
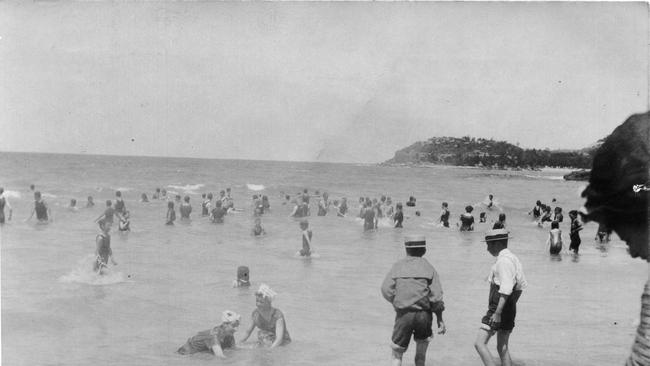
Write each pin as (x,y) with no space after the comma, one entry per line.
(214,340)
(90,202)
(482,217)
(258,230)
(143,198)
(554,241)
(171,214)
(73,205)
(306,239)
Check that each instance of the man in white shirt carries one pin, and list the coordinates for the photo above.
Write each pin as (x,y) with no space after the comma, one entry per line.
(507,281)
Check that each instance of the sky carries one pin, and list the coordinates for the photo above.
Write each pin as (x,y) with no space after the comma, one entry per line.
(326,81)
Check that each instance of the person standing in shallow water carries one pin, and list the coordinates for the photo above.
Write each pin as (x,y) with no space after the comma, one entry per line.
(413,287)
(306,239)
(269,320)
(574,234)
(185,208)
(507,281)
(171,213)
(4,203)
(41,209)
(103,251)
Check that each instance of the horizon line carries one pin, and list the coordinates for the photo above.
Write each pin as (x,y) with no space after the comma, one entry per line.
(182,157)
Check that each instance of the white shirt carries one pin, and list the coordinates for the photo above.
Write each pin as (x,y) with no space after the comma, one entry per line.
(507,272)
(3,195)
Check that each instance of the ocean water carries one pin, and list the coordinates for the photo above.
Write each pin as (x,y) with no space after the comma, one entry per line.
(171,282)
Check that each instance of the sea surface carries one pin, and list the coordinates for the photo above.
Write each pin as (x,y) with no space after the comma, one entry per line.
(172,281)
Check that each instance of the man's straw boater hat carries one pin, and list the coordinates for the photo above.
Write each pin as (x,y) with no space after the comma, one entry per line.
(415,241)
(496,234)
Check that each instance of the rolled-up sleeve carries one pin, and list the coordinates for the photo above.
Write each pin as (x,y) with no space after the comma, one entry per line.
(506,275)
(388,287)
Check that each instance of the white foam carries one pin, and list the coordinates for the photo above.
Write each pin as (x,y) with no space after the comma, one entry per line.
(255,187)
(188,188)
(84,274)
(49,195)
(123,189)
(12,194)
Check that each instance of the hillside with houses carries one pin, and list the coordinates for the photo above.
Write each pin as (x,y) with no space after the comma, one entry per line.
(479,152)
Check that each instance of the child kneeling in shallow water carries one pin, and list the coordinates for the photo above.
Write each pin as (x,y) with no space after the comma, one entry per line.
(214,340)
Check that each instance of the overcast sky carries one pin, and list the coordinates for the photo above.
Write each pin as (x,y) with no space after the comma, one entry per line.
(343,82)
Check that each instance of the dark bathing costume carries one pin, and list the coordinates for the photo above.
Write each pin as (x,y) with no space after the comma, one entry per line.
(41,210)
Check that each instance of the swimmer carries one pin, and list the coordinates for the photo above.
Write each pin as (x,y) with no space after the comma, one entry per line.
(108,213)
(41,209)
(177,199)
(214,340)
(185,208)
(32,188)
(323,205)
(119,203)
(398,217)
(73,205)
(482,217)
(574,235)
(554,241)
(243,277)
(163,194)
(501,223)
(342,209)
(171,213)
(266,205)
(218,213)
(269,320)
(90,202)
(306,239)
(603,233)
(557,214)
(444,215)
(4,202)
(467,219)
(546,215)
(411,202)
(537,210)
(490,201)
(368,217)
(156,195)
(258,230)
(144,198)
(207,204)
(125,222)
(103,251)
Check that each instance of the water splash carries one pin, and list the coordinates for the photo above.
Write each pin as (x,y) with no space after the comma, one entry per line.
(84,273)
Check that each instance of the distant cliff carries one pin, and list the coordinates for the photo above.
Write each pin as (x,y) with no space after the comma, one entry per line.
(480,152)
